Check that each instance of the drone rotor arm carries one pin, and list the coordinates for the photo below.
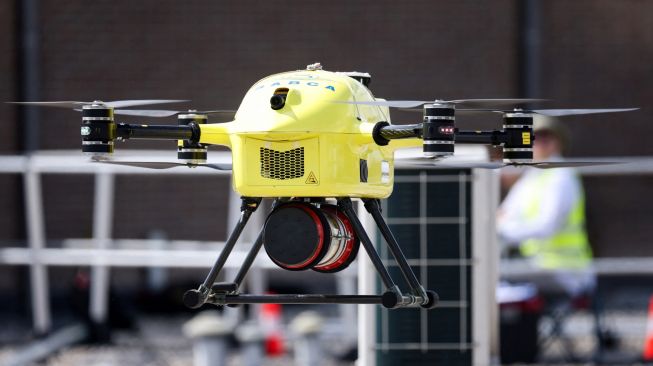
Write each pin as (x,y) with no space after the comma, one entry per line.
(126,131)
(384,132)
(215,134)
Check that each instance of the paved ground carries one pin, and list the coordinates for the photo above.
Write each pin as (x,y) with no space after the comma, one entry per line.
(160,342)
(628,329)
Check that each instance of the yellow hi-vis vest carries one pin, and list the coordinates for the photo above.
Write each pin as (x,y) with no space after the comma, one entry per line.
(567,248)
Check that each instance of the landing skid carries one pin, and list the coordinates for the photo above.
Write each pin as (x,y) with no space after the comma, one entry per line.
(227,293)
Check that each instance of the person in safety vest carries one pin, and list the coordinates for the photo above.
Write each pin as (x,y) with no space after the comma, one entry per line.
(544,215)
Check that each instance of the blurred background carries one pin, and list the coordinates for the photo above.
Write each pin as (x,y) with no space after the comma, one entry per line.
(580,54)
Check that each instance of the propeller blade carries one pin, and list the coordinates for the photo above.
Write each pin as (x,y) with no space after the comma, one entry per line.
(390,103)
(59,104)
(168,113)
(438,164)
(417,103)
(225,112)
(218,166)
(164,164)
(551,112)
(76,105)
(500,101)
(114,104)
(565,164)
(571,112)
(544,164)
(137,102)
(145,112)
(429,162)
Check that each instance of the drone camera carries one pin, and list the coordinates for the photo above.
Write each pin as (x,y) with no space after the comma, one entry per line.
(518,127)
(187,150)
(278,99)
(300,235)
(98,129)
(439,129)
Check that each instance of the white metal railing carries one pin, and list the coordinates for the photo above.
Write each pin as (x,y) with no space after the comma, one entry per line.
(104,254)
(38,257)
(101,252)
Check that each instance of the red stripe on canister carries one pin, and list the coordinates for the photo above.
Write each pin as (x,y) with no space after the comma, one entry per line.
(349,246)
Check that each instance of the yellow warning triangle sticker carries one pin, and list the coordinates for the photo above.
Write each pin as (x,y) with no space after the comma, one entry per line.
(311,178)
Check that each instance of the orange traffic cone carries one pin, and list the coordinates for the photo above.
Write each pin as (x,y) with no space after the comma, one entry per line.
(272,324)
(648,340)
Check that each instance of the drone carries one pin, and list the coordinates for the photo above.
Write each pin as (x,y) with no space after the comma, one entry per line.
(311,141)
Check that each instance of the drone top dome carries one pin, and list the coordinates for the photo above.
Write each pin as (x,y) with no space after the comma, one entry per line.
(296,138)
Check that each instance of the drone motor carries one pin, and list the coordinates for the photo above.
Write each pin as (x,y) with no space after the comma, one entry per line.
(439,129)
(300,236)
(98,129)
(518,126)
(187,150)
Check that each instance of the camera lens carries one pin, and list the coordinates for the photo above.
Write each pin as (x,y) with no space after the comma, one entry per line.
(277,101)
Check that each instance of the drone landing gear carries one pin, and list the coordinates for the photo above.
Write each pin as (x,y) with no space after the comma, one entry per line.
(227,293)
(196,298)
(392,297)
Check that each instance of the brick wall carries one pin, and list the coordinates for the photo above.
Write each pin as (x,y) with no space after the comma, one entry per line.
(599,54)
(212,52)
(10,198)
(595,53)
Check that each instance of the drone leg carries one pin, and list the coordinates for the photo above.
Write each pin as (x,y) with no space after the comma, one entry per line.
(249,260)
(195,298)
(392,296)
(372,206)
(251,256)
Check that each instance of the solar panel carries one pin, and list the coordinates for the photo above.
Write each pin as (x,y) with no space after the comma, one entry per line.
(430,214)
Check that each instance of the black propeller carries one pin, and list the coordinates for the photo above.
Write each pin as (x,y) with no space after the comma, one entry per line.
(168,113)
(427,162)
(550,112)
(467,102)
(113,104)
(76,105)
(163,164)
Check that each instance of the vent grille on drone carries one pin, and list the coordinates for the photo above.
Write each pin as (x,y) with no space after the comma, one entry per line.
(282,164)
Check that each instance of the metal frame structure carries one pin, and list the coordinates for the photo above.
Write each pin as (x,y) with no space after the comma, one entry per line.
(484,198)
(485,268)
(38,257)
(228,293)
(101,252)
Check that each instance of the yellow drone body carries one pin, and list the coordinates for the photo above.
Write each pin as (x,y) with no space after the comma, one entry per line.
(314,145)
